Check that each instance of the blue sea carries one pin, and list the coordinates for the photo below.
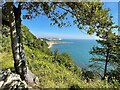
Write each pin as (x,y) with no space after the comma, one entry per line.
(78,50)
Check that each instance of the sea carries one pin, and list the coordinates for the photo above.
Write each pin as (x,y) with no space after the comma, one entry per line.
(78,50)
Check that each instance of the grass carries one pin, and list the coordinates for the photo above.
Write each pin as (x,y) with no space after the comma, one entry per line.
(51,74)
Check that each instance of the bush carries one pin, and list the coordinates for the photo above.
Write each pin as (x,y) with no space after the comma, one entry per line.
(87,75)
(114,74)
(74,87)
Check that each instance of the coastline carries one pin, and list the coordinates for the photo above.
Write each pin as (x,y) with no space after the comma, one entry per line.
(51,43)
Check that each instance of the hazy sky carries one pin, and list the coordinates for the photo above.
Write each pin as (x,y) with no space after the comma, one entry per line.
(40,26)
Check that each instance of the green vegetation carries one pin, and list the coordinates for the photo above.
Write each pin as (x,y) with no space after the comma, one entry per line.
(107,53)
(86,15)
(54,70)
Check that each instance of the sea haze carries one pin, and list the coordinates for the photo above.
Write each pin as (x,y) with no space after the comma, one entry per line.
(78,49)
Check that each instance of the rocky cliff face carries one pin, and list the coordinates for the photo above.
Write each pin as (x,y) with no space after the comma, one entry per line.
(11,81)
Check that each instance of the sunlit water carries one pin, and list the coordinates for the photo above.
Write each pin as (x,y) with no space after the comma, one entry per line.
(78,49)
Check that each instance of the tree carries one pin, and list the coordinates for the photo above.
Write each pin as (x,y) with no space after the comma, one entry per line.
(14,22)
(115,74)
(86,15)
(106,53)
(87,75)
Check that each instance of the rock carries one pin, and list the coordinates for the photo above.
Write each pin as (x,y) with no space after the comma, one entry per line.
(31,78)
(36,80)
(14,80)
(11,81)
(1,83)
(4,74)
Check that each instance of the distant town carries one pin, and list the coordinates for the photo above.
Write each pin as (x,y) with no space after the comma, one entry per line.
(54,39)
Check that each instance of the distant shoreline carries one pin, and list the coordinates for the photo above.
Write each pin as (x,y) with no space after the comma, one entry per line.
(51,43)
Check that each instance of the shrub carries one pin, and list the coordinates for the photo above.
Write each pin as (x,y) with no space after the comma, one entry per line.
(87,75)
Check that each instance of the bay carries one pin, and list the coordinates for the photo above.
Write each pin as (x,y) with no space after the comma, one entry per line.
(78,50)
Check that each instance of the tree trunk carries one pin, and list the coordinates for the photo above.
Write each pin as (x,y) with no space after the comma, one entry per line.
(17,49)
(106,63)
(20,64)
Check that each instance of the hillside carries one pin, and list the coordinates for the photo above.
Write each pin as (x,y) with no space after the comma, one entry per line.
(54,70)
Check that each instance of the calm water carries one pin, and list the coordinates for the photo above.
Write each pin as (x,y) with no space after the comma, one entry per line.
(78,49)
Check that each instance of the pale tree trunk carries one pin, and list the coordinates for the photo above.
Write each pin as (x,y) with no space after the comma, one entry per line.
(20,64)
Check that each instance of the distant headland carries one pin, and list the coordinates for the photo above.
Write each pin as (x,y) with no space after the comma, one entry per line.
(53,39)
(56,41)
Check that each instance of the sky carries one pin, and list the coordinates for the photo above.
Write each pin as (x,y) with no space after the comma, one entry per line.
(40,26)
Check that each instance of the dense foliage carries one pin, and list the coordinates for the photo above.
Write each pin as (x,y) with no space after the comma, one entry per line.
(106,55)
(86,15)
(53,69)
(89,16)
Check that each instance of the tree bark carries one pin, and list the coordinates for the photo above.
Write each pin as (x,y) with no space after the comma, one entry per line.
(106,63)
(20,64)
(17,47)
